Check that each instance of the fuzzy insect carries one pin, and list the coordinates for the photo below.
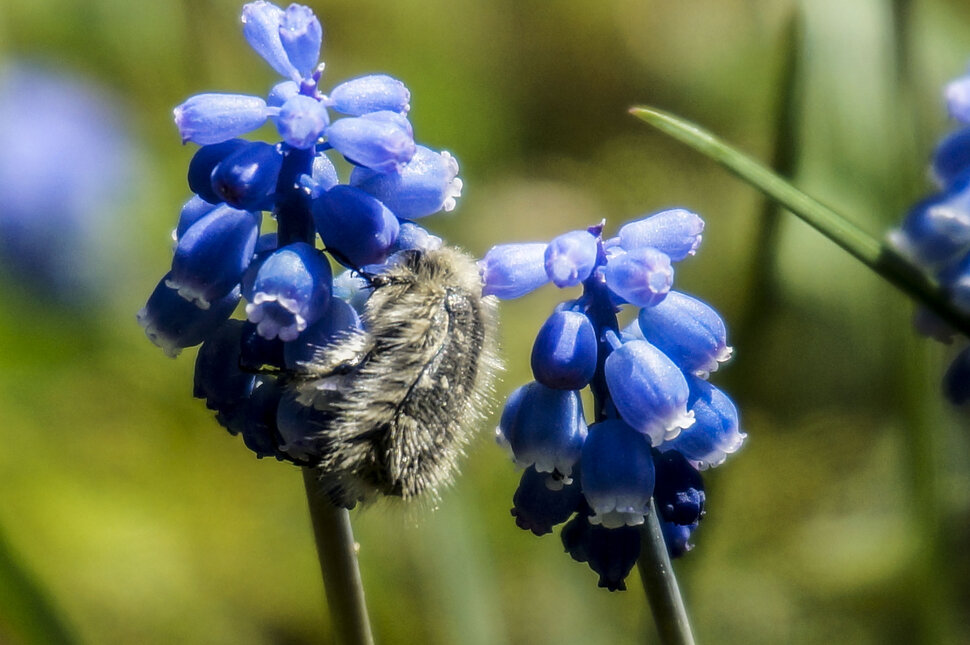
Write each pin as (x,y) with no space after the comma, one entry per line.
(395,403)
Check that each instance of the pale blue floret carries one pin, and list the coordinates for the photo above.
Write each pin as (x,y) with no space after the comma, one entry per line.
(570,258)
(261,27)
(688,331)
(648,390)
(370,94)
(301,36)
(301,121)
(957,94)
(290,291)
(715,432)
(544,427)
(617,473)
(213,118)
(641,276)
(382,141)
(675,232)
(323,177)
(429,183)
(281,92)
(413,237)
(513,270)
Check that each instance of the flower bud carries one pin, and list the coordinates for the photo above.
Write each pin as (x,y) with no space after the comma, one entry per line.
(371,93)
(564,353)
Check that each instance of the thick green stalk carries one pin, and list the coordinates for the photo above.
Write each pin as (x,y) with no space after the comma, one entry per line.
(338,564)
(882,259)
(660,584)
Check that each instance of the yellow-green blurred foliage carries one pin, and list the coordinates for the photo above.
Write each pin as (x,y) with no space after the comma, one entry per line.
(846,518)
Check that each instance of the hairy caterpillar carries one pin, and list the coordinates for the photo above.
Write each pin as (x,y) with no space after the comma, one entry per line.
(394,404)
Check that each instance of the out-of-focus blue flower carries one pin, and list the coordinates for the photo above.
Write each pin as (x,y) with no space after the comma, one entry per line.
(935,236)
(68,169)
(648,400)
(957,95)
(936,231)
(951,159)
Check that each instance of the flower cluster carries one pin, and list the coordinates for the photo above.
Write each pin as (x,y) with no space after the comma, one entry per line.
(657,420)
(294,304)
(935,235)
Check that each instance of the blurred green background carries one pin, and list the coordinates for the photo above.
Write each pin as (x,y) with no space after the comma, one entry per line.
(845,518)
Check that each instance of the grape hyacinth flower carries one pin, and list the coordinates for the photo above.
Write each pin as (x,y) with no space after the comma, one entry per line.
(61,218)
(291,300)
(656,420)
(935,236)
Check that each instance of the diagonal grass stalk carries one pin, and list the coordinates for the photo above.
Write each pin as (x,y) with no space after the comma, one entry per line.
(882,259)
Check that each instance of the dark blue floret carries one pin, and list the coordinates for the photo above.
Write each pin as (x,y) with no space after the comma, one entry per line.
(677,537)
(679,492)
(246,178)
(356,228)
(543,501)
(218,378)
(204,162)
(173,323)
(564,353)
(611,553)
(952,157)
(956,381)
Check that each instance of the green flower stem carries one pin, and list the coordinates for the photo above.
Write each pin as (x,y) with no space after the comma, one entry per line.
(660,584)
(882,259)
(338,564)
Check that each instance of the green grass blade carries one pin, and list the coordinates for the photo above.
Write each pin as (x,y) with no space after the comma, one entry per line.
(882,259)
